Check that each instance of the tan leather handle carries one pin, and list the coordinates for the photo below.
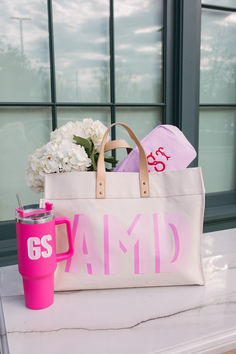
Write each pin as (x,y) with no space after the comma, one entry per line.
(117,144)
(143,166)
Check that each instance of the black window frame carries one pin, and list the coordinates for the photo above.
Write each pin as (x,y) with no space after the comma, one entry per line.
(181,76)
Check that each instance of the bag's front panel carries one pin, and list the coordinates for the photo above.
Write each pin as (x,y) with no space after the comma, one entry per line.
(125,240)
(132,242)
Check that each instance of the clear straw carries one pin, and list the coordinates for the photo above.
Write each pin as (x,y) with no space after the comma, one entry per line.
(19,201)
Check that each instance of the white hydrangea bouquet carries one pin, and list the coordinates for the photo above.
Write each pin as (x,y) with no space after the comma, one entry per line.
(73,147)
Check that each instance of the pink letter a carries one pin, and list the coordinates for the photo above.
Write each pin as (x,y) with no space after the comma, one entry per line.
(85,250)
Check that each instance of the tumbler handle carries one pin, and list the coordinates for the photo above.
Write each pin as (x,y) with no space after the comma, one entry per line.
(69,253)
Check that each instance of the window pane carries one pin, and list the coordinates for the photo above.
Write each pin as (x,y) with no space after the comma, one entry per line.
(140,120)
(24,53)
(218,57)
(82,50)
(217,147)
(22,130)
(225,3)
(138,49)
(66,114)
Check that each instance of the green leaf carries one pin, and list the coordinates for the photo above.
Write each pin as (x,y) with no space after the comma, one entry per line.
(110,159)
(96,156)
(92,157)
(86,143)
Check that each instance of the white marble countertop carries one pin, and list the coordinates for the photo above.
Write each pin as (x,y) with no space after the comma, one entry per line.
(184,319)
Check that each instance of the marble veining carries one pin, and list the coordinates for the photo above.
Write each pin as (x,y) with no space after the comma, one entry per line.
(4,349)
(125,327)
(184,319)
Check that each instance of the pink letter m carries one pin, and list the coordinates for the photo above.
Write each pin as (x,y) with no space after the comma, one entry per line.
(116,238)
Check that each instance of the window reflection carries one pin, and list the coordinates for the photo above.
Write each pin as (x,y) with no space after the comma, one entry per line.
(218,57)
(229,3)
(82,50)
(66,114)
(138,46)
(22,131)
(24,57)
(217,146)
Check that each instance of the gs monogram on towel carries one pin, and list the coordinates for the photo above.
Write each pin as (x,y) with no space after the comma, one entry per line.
(168,233)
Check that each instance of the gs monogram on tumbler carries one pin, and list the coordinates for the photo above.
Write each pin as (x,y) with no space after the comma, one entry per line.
(37,257)
(34,245)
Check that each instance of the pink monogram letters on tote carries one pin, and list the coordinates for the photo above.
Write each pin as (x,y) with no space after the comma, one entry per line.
(170,235)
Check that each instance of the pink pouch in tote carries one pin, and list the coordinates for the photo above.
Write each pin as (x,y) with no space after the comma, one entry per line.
(166,148)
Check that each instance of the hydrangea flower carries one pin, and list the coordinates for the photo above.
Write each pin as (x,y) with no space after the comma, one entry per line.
(62,153)
(87,129)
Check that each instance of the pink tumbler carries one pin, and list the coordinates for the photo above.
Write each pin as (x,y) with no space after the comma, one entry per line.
(37,258)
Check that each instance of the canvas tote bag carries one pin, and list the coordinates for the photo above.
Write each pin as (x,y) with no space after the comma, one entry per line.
(130,229)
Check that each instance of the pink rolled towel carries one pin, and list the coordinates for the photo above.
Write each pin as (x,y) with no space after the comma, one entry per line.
(167,149)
